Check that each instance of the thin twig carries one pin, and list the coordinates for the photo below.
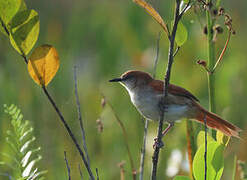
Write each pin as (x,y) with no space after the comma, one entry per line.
(143,151)
(63,121)
(97,173)
(69,132)
(185,8)
(80,117)
(4,26)
(67,165)
(176,51)
(125,138)
(157,54)
(81,175)
(223,51)
(206,144)
(167,79)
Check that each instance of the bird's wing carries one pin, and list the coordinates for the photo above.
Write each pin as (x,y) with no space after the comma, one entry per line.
(173,89)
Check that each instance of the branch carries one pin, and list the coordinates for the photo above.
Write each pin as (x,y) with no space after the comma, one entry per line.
(80,117)
(157,54)
(79,167)
(143,151)
(60,116)
(185,9)
(167,79)
(67,165)
(176,51)
(223,51)
(69,132)
(4,26)
(97,173)
(206,144)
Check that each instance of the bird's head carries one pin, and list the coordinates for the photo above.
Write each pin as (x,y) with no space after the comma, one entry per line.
(132,80)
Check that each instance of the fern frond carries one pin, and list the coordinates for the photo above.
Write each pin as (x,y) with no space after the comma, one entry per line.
(23,156)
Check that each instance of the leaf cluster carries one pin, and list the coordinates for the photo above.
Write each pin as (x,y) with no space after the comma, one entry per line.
(22,158)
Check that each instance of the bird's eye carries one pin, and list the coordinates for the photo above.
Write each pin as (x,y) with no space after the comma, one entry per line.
(126,78)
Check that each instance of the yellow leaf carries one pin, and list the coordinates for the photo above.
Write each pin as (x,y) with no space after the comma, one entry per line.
(43,64)
(221,138)
(153,13)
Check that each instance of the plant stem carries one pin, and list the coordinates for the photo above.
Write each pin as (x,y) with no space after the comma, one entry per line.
(143,152)
(155,157)
(211,63)
(206,146)
(67,165)
(60,116)
(80,117)
(69,132)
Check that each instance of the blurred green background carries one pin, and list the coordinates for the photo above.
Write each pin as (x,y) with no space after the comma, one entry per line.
(105,38)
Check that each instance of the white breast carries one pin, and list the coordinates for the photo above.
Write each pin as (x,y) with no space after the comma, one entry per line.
(147,105)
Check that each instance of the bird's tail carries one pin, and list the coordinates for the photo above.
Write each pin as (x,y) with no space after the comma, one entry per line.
(215,122)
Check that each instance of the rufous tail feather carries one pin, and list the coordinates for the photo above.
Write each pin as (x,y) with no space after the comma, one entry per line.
(216,122)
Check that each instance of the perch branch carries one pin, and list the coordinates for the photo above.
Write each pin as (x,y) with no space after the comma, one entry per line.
(80,117)
(67,165)
(167,79)
(143,151)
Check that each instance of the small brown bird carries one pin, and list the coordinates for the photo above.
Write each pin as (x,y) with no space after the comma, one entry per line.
(146,94)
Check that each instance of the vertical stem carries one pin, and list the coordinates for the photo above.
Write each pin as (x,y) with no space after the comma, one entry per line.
(211,63)
(80,118)
(146,121)
(206,146)
(155,157)
(143,150)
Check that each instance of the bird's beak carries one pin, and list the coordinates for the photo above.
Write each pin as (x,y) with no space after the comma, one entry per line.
(116,80)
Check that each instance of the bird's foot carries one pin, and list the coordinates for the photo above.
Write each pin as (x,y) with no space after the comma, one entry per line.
(157,144)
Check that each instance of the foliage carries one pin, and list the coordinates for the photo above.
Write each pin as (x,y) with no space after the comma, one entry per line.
(101,38)
(181,178)
(21,25)
(43,64)
(23,157)
(215,157)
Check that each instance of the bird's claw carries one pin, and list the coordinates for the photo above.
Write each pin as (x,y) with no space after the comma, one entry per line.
(157,144)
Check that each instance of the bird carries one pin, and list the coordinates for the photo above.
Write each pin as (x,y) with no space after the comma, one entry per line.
(147,95)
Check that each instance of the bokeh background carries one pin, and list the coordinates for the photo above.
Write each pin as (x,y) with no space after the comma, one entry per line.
(104,38)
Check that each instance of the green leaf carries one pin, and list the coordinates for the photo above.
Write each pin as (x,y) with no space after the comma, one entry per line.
(181,35)
(24,31)
(8,9)
(215,161)
(181,178)
(201,138)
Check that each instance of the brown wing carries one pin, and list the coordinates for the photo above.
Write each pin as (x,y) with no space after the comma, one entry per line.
(173,89)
